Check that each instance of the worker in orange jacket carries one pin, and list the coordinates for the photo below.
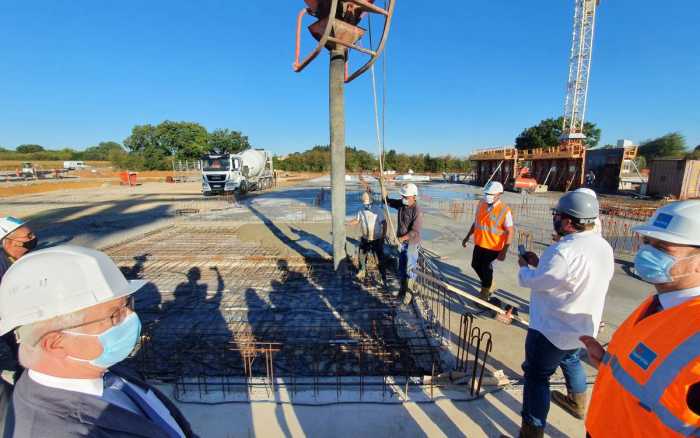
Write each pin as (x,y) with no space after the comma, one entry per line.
(493,233)
(648,381)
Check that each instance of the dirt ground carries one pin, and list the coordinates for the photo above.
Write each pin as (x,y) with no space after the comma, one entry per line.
(104,177)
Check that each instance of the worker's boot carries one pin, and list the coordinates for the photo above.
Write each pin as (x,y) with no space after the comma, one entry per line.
(485,293)
(573,402)
(527,430)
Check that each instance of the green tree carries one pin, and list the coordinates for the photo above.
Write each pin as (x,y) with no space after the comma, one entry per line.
(29,148)
(669,145)
(183,140)
(227,141)
(548,132)
(102,151)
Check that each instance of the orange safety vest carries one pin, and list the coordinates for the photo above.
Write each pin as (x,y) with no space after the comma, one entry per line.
(643,380)
(489,229)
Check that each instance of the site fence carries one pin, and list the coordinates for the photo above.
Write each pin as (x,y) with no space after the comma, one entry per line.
(533,222)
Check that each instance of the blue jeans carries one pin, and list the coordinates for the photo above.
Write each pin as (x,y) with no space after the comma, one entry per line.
(541,361)
(408,258)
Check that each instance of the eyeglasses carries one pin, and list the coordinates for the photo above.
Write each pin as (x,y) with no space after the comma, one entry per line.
(115,318)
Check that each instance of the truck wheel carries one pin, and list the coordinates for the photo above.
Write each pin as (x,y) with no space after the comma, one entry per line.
(243,188)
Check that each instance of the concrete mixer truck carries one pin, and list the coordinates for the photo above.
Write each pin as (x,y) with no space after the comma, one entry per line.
(243,172)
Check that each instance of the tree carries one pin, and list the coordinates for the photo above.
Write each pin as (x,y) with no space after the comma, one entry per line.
(102,151)
(548,133)
(29,148)
(669,145)
(183,140)
(227,141)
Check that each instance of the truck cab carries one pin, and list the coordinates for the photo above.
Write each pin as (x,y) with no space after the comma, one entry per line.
(221,173)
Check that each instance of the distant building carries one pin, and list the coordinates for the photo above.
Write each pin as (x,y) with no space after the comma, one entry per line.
(675,177)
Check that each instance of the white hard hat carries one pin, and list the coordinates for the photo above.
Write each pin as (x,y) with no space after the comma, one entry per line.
(587,191)
(677,222)
(57,281)
(9,224)
(493,188)
(409,189)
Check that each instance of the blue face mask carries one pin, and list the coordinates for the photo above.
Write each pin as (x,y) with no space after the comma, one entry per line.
(367,206)
(117,342)
(653,265)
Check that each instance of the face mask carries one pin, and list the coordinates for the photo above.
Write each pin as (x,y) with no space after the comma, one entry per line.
(367,206)
(117,342)
(654,266)
(490,199)
(404,201)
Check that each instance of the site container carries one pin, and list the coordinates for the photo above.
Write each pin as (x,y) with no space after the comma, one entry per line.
(675,177)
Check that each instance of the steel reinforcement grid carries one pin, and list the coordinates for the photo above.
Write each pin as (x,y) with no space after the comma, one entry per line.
(220,313)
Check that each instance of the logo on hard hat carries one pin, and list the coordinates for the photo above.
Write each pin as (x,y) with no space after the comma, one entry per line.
(663,220)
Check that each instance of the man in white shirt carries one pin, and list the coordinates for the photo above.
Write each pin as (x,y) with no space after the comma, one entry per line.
(569,284)
(73,314)
(373,226)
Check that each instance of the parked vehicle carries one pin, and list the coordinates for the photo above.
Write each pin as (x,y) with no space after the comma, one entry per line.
(74,165)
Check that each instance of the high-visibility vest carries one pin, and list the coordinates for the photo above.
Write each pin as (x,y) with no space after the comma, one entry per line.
(489,229)
(644,378)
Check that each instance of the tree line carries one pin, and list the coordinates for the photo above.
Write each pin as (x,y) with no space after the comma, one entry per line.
(318,159)
(148,147)
(155,147)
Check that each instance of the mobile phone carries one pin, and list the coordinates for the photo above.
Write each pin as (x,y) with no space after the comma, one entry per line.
(521,250)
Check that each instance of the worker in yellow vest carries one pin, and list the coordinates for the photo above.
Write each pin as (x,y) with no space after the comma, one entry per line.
(493,233)
(648,381)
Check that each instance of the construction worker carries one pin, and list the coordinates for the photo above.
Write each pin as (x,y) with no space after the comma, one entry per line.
(373,226)
(410,223)
(17,239)
(569,284)
(590,179)
(73,313)
(648,380)
(493,232)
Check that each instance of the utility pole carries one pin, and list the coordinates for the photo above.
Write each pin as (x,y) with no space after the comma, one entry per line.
(337,30)
(337,130)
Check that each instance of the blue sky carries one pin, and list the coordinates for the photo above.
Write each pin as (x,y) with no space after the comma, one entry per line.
(463,75)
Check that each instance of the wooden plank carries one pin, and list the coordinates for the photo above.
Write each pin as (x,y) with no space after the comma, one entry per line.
(470,297)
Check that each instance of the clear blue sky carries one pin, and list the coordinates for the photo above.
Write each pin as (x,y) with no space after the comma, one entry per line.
(462,75)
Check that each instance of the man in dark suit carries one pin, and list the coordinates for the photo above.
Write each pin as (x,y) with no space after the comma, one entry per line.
(73,314)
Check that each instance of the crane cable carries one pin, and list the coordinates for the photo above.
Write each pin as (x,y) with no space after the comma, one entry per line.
(380,132)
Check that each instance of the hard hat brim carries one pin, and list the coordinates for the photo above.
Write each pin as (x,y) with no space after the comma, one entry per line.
(11,230)
(657,233)
(133,287)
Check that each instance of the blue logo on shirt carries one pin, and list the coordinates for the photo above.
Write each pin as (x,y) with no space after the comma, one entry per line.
(643,356)
(663,220)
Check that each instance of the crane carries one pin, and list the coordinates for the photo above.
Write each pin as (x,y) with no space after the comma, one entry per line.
(579,71)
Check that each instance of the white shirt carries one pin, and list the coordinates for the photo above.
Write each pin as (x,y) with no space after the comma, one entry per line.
(569,287)
(598,226)
(96,387)
(675,298)
(371,222)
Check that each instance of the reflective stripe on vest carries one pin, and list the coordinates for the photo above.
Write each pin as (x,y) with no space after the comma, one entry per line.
(495,221)
(649,394)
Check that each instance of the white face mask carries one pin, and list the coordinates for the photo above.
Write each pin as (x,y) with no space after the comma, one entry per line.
(490,199)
